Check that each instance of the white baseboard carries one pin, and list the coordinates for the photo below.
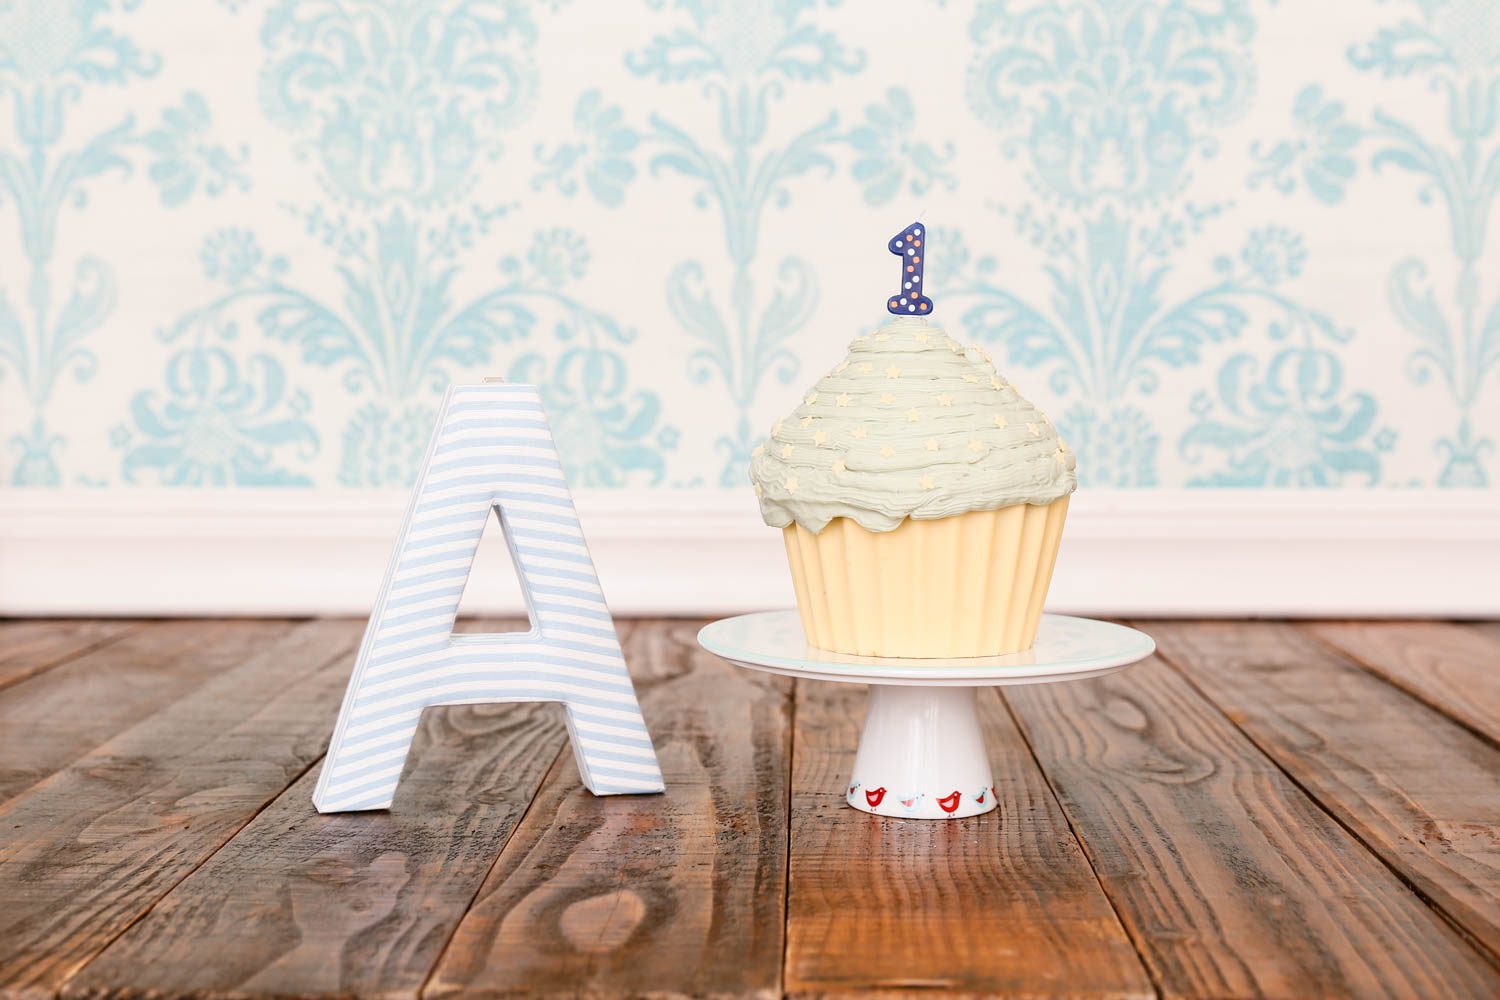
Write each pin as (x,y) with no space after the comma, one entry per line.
(1159,552)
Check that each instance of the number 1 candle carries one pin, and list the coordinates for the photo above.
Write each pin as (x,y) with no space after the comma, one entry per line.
(907,245)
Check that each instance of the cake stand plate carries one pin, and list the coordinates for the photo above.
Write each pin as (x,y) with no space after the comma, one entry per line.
(922,753)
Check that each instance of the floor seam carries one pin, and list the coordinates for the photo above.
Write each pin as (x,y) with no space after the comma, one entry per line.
(1078,839)
(786,894)
(1489,956)
(78,654)
(1368,668)
(270,800)
(437,962)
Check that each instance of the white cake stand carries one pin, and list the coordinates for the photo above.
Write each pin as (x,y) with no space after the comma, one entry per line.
(922,754)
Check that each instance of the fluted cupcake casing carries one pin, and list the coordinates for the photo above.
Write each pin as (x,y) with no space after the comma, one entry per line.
(971,584)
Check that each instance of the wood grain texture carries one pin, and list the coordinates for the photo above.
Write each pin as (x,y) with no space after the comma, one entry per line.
(27,647)
(51,719)
(662,895)
(1417,788)
(85,852)
(1453,668)
(140,756)
(1229,879)
(1003,903)
(352,904)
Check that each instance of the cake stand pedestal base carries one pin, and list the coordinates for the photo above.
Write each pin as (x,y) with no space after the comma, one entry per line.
(922,755)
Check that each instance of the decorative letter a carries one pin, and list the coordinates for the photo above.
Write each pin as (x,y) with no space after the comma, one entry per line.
(492,450)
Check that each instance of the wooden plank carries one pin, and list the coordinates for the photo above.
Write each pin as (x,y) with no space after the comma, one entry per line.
(1001,903)
(1229,879)
(353,904)
(1418,789)
(27,647)
(50,720)
(1452,668)
(91,848)
(673,895)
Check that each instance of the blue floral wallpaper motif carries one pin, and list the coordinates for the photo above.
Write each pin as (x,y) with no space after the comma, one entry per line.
(1227,243)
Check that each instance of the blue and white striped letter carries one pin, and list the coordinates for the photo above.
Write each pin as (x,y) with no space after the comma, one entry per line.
(492,450)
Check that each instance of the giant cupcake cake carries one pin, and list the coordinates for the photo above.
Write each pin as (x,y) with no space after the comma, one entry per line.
(921,497)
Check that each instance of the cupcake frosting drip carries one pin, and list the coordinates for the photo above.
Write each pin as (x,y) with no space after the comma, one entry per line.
(910,424)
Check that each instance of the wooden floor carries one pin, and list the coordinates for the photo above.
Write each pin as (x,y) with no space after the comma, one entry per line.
(1263,809)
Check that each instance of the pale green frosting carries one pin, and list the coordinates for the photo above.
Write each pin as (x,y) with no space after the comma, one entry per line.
(911,424)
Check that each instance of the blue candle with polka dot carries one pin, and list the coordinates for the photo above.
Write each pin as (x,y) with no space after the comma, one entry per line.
(908,245)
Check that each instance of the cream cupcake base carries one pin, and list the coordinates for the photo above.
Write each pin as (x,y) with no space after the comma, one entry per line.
(968,585)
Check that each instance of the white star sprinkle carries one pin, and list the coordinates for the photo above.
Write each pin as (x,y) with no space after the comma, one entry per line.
(841,366)
(932,444)
(806,421)
(927,482)
(887,451)
(944,399)
(1000,421)
(812,398)
(819,437)
(791,484)
(1034,429)
(776,428)
(786,451)
(887,398)
(861,432)
(866,368)
(921,336)
(893,372)
(976,446)
(971,378)
(995,382)
(913,415)
(759,449)
(839,466)
(843,399)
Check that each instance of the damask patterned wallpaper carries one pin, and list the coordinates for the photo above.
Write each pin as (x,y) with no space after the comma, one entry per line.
(1225,242)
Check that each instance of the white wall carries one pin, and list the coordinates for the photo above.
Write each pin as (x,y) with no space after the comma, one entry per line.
(1239,251)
